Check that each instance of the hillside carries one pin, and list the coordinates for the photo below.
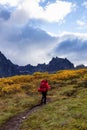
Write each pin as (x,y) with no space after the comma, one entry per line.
(67,108)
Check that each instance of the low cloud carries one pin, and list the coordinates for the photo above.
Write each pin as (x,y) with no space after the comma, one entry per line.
(20,42)
(73,47)
(26,45)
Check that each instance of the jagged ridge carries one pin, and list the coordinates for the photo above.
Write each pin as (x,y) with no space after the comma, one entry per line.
(7,68)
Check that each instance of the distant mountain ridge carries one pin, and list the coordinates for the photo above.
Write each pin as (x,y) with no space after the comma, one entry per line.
(7,68)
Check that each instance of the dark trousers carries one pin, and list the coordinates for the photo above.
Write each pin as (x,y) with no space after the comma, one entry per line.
(44,96)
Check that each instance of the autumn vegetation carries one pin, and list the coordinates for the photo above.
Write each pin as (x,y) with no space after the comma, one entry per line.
(66,110)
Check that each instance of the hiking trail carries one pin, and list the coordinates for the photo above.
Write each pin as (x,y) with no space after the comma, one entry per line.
(15,122)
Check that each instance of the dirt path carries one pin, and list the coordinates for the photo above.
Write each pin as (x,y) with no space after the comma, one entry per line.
(15,122)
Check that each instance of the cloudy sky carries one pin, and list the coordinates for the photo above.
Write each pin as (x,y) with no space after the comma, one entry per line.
(34,31)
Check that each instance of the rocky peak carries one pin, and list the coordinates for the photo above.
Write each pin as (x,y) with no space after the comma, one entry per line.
(59,64)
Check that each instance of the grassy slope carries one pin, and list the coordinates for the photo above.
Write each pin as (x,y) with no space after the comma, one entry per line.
(67,109)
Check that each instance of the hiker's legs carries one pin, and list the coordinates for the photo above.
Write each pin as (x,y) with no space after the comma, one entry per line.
(43,100)
(45,97)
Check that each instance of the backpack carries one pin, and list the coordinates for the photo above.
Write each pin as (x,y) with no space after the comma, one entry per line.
(44,86)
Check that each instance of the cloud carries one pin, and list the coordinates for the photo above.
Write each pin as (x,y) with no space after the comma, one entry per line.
(20,42)
(52,12)
(26,45)
(10,2)
(85,4)
(73,47)
(18,17)
(4,13)
(81,23)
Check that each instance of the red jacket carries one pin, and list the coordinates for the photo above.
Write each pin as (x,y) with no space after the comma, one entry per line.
(44,86)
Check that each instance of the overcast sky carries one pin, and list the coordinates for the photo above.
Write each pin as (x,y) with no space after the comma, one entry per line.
(34,31)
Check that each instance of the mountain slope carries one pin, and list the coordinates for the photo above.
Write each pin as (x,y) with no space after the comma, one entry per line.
(7,68)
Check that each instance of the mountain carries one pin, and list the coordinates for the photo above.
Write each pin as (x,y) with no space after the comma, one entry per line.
(59,64)
(7,68)
(54,65)
(80,66)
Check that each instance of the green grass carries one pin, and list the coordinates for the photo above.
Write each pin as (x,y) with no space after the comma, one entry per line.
(14,104)
(67,109)
(63,114)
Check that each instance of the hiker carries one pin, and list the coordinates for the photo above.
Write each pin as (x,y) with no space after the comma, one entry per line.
(44,87)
